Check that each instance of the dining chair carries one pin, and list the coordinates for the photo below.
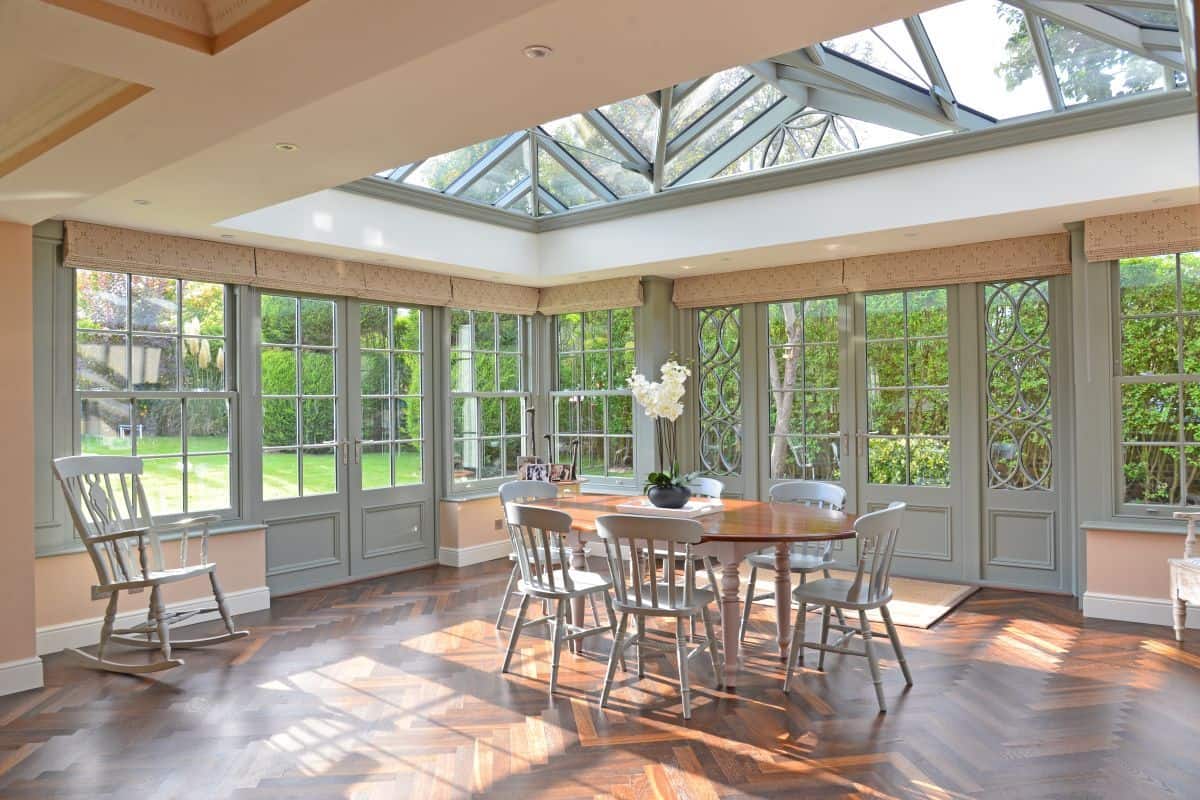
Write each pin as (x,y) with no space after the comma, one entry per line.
(1185,574)
(631,546)
(108,506)
(520,492)
(878,533)
(538,538)
(804,557)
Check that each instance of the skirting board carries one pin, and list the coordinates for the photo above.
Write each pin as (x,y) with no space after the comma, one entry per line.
(476,554)
(19,675)
(84,632)
(1146,610)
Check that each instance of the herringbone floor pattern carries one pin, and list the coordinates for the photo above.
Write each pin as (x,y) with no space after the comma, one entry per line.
(390,689)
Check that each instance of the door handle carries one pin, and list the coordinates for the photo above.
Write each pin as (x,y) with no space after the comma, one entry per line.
(345,453)
(358,451)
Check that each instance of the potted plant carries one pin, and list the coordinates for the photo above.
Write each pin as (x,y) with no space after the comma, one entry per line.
(663,401)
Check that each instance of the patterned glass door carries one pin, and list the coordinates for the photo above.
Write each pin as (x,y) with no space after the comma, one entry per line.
(1021,501)
(719,340)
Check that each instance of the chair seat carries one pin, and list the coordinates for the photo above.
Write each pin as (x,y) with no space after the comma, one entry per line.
(159,577)
(554,559)
(584,583)
(834,592)
(700,598)
(797,562)
(1185,563)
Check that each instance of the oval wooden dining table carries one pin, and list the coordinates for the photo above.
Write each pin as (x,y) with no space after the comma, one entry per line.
(742,528)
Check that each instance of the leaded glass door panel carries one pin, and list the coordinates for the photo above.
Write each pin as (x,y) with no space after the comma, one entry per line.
(721,407)
(1021,540)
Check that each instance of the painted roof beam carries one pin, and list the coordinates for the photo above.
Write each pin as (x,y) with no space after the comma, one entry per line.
(490,159)
(1108,29)
(741,142)
(636,161)
(571,164)
(515,194)
(718,112)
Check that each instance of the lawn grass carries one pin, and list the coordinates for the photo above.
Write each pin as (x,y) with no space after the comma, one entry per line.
(208,479)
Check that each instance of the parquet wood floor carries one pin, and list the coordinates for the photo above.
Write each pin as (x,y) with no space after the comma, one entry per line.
(390,688)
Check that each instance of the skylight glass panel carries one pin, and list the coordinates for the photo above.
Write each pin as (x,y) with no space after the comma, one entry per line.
(985,50)
(886,47)
(749,110)
(637,119)
(597,155)
(502,178)
(711,91)
(564,186)
(1090,70)
(440,171)
(1145,17)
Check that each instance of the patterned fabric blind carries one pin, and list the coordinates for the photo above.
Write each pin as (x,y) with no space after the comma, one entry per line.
(1142,233)
(591,296)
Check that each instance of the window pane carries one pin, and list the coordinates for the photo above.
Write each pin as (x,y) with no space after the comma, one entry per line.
(460,329)
(1150,412)
(493,453)
(886,411)
(570,332)
(510,338)
(278,319)
(320,470)
(101,360)
(408,463)
(929,462)
(280,475)
(886,47)
(485,372)
(376,466)
(463,414)
(208,483)
(485,330)
(1192,472)
(155,304)
(162,478)
(1148,285)
(927,313)
(622,328)
(491,410)
(820,365)
(158,427)
(373,370)
(929,412)
(207,425)
(824,459)
(1090,70)
(406,328)
(567,410)
(595,330)
(278,371)
(154,363)
(408,373)
(929,362)
(316,322)
(570,372)
(620,415)
(105,428)
(279,422)
(510,373)
(885,315)
(620,456)
(622,368)
(317,421)
(101,300)
(373,326)
(1189,274)
(821,412)
(316,371)
(887,461)
(886,361)
(1149,346)
(408,418)
(1151,474)
(375,413)
(595,370)
(204,364)
(592,415)
(591,458)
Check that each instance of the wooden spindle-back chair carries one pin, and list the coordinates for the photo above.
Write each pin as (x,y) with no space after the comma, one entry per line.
(539,541)
(1185,574)
(644,557)
(803,557)
(871,588)
(109,509)
(519,492)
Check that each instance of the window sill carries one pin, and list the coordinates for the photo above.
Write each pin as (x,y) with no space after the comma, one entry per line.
(1136,526)
(232,526)
(468,497)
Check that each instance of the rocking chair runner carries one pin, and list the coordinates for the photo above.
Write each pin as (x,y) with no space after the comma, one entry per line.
(109,508)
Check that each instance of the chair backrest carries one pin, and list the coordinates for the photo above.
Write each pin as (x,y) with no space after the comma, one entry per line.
(706,487)
(817,494)
(526,491)
(878,533)
(1193,522)
(539,541)
(105,495)
(650,543)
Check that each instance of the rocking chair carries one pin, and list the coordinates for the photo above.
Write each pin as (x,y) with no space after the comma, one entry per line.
(109,508)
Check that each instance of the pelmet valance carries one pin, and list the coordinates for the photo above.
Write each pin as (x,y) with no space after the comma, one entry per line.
(591,296)
(102,247)
(297,272)
(1142,233)
(487,296)
(818,279)
(1002,259)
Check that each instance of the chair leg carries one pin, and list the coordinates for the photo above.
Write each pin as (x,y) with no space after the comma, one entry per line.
(681,655)
(508,593)
(748,604)
(219,596)
(1180,615)
(794,650)
(841,617)
(160,620)
(560,615)
(612,624)
(595,613)
(895,637)
(718,663)
(516,632)
(865,627)
(110,614)
(824,636)
(617,652)
(641,634)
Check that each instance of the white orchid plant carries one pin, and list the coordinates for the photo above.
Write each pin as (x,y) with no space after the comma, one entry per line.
(663,401)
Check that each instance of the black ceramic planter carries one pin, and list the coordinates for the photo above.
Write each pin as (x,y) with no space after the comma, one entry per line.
(669,496)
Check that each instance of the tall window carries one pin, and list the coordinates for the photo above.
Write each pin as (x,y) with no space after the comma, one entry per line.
(592,402)
(802,364)
(720,379)
(391,389)
(299,396)
(1158,377)
(908,388)
(488,394)
(151,381)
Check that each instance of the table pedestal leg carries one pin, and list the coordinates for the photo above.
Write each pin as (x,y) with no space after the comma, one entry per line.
(783,599)
(578,563)
(731,613)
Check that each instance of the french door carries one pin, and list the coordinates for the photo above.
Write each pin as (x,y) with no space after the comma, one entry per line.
(345,476)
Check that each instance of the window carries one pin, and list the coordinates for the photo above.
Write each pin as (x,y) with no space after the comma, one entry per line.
(391,389)
(488,394)
(805,398)
(908,388)
(297,358)
(720,380)
(1158,380)
(592,402)
(151,380)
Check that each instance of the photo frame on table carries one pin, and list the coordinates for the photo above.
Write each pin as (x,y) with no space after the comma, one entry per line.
(533,471)
(561,472)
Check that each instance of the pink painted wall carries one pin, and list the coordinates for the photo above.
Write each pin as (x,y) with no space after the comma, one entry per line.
(1133,564)
(472,522)
(16,431)
(64,582)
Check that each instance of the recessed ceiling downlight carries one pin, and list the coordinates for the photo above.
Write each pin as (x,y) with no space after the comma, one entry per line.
(286,147)
(536,51)
(141,202)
